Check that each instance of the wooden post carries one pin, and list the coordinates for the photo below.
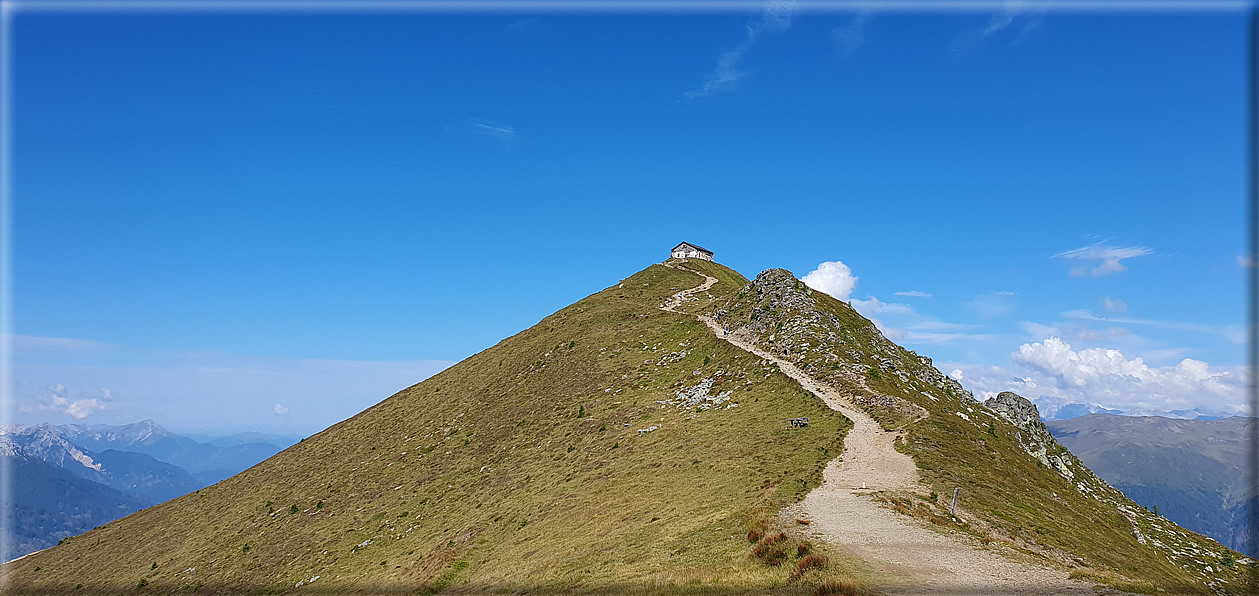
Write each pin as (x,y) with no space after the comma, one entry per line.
(953,507)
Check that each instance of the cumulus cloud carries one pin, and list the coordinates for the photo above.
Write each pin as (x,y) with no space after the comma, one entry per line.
(913,294)
(774,19)
(832,277)
(1105,376)
(281,410)
(1109,259)
(58,398)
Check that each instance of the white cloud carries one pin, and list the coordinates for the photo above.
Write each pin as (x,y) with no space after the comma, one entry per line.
(1109,258)
(832,277)
(498,130)
(1232,333)
(957,374)
(57,398)
(913,294)
(1245,260)
(774,19)
(281,410)
(1105,376)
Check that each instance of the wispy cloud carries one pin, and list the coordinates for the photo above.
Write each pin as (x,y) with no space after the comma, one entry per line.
(1246,261)
(1232,333)
(1109,258)
(57,398)
(1026,15)
(992,304)
(40,342)
(498,130)
(913,294)
(202,389)
(775,18)
(848,38)
(280,410)
(933,337)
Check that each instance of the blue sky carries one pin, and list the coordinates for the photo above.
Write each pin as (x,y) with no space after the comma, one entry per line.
(271,221)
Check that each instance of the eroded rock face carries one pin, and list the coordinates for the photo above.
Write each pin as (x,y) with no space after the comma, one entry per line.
(1032,436)
(1013,407)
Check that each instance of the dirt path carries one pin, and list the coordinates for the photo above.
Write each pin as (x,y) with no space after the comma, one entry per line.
(908,557)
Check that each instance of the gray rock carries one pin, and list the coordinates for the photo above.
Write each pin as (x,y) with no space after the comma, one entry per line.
(1013,407)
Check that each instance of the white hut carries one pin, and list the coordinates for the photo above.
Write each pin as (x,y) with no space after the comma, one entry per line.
(687,250)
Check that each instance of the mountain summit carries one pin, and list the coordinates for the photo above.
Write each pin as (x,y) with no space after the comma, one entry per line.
(652,438)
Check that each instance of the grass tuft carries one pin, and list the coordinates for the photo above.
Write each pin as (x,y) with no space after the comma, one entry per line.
(806,565)
(835,589)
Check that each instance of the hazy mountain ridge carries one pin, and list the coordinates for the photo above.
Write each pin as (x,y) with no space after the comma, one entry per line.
(1057,408)
(1194,471)
(115,457)
(49,504)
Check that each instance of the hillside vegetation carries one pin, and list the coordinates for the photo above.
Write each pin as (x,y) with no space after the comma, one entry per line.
(617,448)
(612,447)
(1011,492)
(1192,471)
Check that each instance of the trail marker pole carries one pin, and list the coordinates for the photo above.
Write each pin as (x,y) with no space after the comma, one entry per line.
(953,507)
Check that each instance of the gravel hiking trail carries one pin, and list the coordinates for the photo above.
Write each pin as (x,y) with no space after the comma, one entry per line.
(905,556)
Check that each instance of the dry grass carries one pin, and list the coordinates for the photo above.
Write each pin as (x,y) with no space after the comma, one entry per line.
(807,564)
(836,589)
(485,477)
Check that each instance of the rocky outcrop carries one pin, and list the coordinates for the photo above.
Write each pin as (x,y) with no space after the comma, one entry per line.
(1013,407)
(930,374)
(1032,435)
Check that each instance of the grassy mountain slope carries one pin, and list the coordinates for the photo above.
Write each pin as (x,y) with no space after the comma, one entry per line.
(1007,494)
(1193,471)
(546,462)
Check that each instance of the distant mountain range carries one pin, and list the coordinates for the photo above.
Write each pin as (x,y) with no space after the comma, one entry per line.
(1193,471)
(74,477)
(1057,408)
